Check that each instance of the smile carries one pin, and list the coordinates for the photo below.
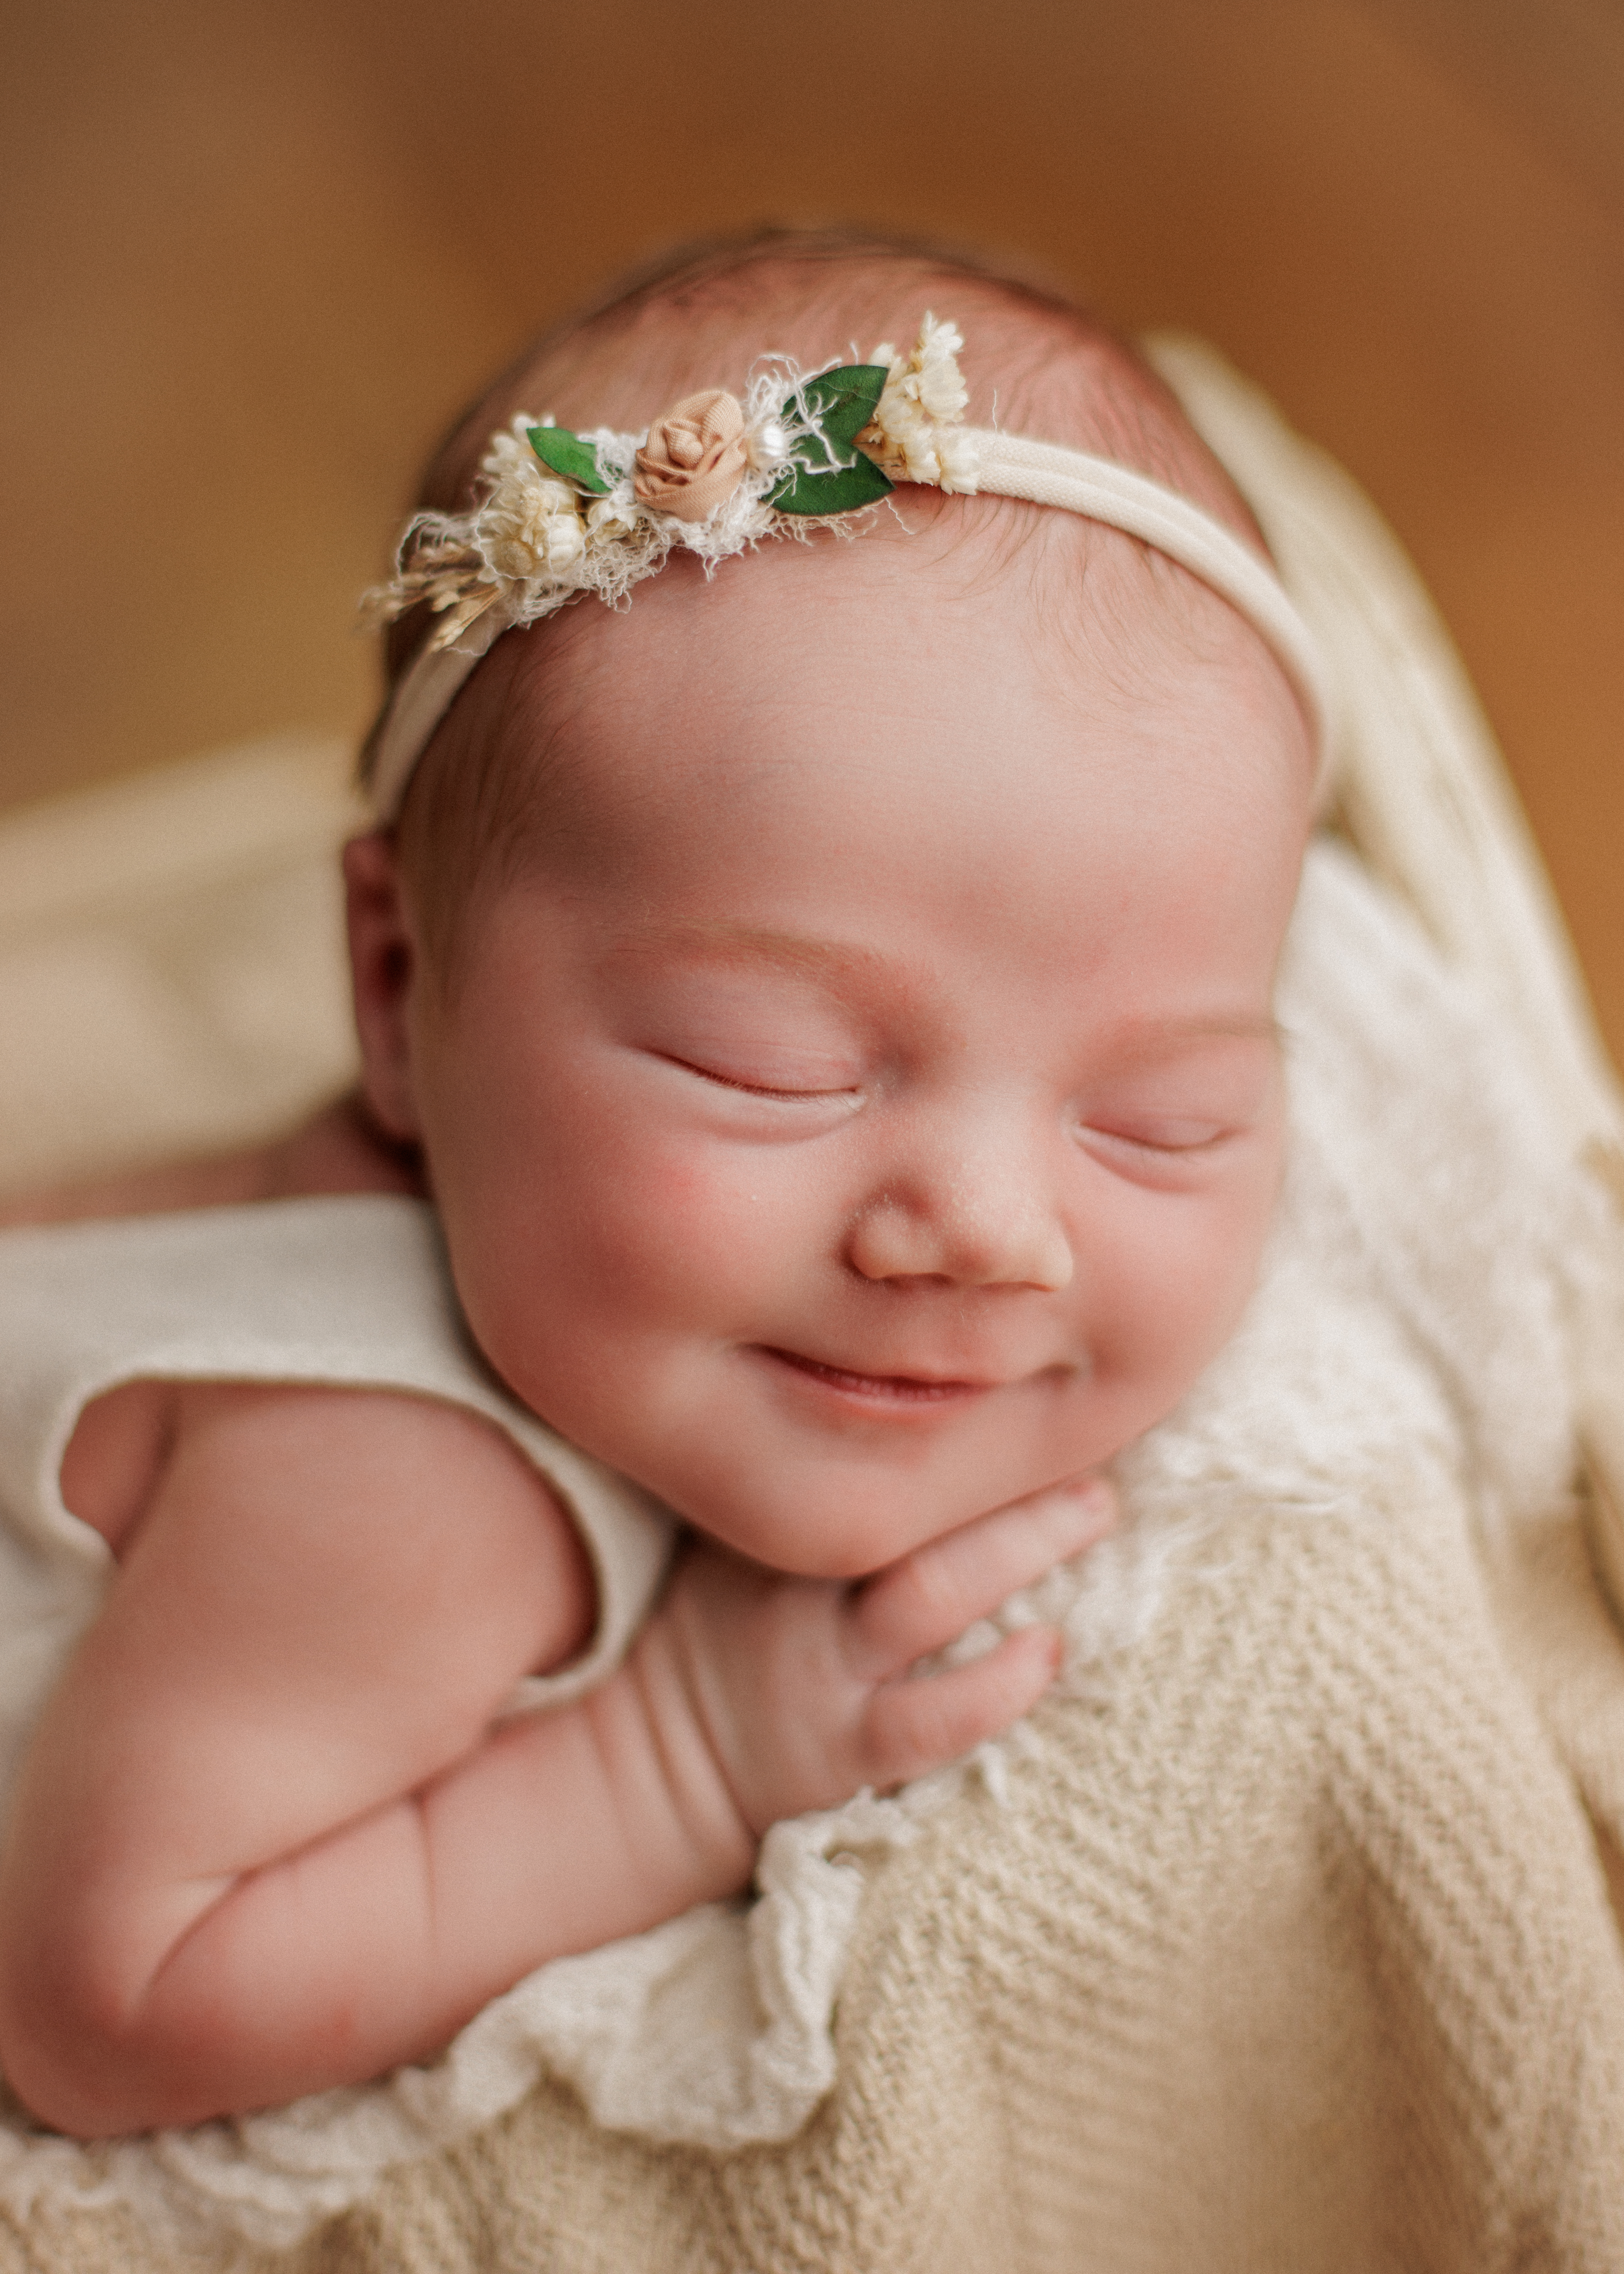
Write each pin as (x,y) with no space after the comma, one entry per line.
(899,1391)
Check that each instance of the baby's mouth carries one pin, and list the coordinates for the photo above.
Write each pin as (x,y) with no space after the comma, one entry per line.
(894,1389)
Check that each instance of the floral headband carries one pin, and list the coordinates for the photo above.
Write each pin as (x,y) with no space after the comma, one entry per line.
(562,514)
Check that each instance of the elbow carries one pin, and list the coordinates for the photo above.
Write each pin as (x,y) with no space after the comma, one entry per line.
(66,2093)
(94,2084)
(82,2058)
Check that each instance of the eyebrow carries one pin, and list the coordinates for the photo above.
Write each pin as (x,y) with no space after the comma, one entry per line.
(1260,1028)
(744,944)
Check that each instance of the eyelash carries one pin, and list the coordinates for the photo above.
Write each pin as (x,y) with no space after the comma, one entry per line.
(1147,1147)
(760,1089)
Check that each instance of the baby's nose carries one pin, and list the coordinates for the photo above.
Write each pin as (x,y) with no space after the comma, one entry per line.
(979,1226)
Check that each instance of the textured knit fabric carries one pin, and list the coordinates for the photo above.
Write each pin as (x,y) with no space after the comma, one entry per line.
(1291,1953)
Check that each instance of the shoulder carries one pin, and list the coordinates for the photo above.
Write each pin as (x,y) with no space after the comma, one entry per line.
(376,1493)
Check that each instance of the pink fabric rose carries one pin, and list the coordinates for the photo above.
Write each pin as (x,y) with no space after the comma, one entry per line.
(694,456)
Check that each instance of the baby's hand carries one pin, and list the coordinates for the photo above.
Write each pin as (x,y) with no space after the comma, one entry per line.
(802,1687)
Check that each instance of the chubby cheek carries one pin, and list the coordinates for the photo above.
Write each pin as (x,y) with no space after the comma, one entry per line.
(606,1244)
(1180,1278)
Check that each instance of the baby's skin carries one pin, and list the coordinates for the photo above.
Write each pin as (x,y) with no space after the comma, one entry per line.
(855,1112)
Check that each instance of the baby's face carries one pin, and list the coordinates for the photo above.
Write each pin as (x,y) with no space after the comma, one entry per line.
(864,1108)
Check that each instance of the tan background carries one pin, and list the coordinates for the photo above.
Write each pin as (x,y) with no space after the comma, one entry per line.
(253,256)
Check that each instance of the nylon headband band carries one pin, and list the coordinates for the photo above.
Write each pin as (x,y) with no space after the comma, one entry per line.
(1041,473)
(1047,473)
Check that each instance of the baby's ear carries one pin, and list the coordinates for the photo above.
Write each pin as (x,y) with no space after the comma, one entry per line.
(383,972)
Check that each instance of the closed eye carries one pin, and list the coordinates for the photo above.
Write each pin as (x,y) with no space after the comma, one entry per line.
(1161,1152)
(759,1088)
(1176,1137)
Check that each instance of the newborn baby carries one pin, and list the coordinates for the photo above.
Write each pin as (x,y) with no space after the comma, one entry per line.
(828,1003)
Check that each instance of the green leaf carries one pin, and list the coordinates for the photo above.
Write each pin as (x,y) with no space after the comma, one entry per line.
(568,455)
(845,400)
(843,491)
(833,476)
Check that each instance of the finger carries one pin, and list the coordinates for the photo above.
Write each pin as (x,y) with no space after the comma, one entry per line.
(916,1726)
(931,1596)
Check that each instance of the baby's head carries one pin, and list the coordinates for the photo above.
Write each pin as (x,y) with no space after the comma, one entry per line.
(833,995)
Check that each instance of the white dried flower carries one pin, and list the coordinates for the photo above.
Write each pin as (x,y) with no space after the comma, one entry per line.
(961,458)
(504,455)
(531,524)
(607,521)
(937,383)
(906,431)
(924,394)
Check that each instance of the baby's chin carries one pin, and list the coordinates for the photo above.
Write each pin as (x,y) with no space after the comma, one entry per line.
(844,1522)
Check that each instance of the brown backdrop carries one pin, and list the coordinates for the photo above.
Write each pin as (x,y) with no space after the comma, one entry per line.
(253,254)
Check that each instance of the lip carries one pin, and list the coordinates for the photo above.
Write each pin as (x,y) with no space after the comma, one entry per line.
(895,1393)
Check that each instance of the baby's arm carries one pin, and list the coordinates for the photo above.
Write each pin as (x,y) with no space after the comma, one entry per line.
(267,1838)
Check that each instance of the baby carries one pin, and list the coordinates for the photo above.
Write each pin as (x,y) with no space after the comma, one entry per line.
(828,1003)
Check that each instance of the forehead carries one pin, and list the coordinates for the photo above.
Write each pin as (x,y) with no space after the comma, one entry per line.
(883,750)
(1005,675)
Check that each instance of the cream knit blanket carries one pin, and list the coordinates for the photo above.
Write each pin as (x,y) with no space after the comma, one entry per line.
(1283,1941)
